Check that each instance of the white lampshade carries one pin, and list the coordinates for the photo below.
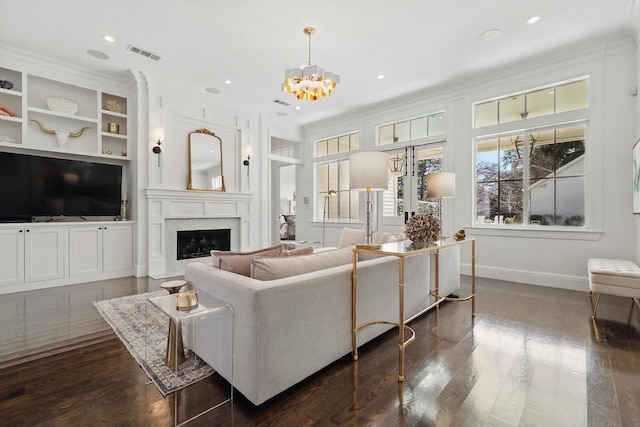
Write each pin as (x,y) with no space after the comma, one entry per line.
(442,184)
(369,170)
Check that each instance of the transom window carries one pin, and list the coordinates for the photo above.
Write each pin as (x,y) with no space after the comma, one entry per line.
(412,129)
(338,144)
(549,100)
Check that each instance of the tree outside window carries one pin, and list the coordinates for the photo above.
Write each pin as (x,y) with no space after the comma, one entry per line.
(536,177)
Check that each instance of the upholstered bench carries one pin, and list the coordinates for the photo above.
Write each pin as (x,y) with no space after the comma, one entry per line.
(614,277)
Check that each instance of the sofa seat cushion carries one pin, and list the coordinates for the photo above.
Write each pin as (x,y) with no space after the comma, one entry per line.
(240,262)
(614,272)
(267,268)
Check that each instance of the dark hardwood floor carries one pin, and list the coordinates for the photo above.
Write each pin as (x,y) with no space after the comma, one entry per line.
(532,357)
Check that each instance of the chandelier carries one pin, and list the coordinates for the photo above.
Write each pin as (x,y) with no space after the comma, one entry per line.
(311,82)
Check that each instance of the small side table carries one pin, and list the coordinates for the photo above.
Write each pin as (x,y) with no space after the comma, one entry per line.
(211,320)
(173,286)
(175,349)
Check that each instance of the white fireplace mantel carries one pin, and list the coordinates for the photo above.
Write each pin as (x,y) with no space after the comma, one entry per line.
(167,205)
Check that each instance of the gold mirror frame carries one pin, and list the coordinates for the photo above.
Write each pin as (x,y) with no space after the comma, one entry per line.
(201,145)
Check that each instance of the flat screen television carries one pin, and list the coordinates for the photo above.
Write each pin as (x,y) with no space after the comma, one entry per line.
(34,186)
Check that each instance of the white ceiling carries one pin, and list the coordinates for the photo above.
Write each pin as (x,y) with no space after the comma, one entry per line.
(415,44)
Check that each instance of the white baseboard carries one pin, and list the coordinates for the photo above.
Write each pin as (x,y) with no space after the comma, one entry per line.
(538,278)
(142,271)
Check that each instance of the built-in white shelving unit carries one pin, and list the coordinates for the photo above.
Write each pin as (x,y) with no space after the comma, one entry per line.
(45,254)
(104,114)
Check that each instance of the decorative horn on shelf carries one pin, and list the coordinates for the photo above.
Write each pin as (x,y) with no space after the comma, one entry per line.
(62,137)
(80,132)
(42,128)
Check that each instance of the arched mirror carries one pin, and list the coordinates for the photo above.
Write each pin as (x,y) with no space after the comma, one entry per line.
(205,161)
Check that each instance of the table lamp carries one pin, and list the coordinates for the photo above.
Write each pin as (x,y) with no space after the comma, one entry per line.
(369,171)
(441,185)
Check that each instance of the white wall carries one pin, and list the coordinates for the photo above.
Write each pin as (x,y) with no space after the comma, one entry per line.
(548,258)
(180,110)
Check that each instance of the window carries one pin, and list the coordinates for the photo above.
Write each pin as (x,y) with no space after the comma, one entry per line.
(344,205)
(553,99)
(536,177)
(411,129)
(338,144)
(334,175)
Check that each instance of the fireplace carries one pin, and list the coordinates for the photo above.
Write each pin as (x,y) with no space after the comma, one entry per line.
(200,243)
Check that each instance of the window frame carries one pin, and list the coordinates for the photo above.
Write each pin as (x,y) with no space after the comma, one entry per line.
(525,177)
(336,158)
(592,226)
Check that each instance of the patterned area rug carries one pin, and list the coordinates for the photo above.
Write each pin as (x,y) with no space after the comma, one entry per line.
(127,316)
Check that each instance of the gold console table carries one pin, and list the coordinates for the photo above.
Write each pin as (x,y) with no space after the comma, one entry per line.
(403,250)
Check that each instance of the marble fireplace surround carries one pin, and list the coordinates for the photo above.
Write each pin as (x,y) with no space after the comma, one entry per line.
(171,211)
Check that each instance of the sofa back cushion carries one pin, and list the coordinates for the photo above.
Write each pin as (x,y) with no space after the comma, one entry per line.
(240,262)
(304,250)
(265,268)
(352,236)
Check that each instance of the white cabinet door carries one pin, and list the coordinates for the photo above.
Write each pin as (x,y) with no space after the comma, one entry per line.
(117,248)
(11,256)
(43,253)
(85,250)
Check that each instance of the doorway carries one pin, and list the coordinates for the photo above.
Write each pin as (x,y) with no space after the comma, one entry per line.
(407,193)
(287,214)
(284,156)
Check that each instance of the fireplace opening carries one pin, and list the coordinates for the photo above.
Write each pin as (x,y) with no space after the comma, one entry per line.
(200,243)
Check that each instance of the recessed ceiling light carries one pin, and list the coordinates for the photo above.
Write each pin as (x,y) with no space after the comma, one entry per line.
(380,76)
(213,90)
(97,54)
(298,107)
(108,38)
(533,19)
(490,35)
(227,82)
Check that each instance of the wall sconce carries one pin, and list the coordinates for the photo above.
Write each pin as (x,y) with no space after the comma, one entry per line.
(246,163)
(159,136)
(246,152)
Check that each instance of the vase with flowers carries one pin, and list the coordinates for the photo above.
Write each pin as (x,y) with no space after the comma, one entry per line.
(422,230)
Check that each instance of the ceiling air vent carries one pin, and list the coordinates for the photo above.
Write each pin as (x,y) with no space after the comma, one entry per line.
(277,101)
(143,52)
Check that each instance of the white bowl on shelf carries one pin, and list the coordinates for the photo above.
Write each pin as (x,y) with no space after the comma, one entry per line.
(5,138)
(62,104)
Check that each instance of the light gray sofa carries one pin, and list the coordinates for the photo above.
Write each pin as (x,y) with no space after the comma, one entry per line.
(289,328)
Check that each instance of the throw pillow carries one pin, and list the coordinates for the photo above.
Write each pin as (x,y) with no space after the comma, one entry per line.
(350,236)
(399,238)
(305,250)
(240,262)
(264,268)
(381,237)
